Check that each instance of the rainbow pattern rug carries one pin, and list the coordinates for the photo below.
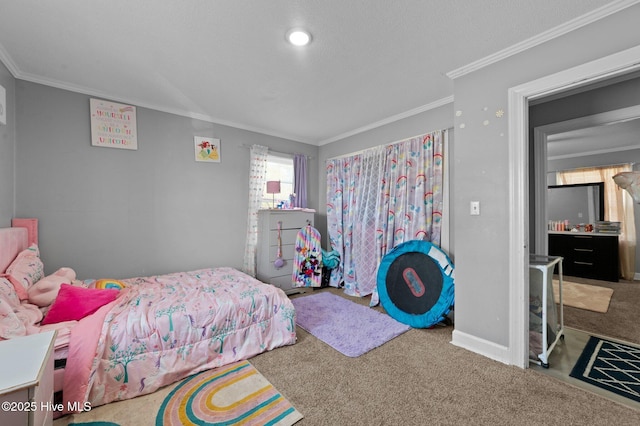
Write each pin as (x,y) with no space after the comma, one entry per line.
(95,424)
(229,395)
(233,394)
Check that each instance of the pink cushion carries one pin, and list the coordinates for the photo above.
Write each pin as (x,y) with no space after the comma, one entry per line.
(75,303)
(8,293)
(25,270)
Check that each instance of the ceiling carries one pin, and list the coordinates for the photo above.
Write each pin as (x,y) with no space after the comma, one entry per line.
(226,61)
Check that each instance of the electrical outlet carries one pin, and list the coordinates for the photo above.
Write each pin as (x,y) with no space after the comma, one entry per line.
(475,208)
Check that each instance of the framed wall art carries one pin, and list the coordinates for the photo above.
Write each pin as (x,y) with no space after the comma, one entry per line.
(207,149)
(113,125)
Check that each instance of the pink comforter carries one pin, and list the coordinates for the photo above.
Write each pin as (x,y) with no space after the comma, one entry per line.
(164,328)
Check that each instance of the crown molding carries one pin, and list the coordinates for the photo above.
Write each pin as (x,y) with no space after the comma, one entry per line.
(423,108)
(8,62)
(543,37)
(183,113)
(19,75)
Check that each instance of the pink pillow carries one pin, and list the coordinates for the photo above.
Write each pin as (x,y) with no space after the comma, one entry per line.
(8,294)
(25,270)
(75,303)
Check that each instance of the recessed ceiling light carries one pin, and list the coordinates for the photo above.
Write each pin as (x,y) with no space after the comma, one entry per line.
(298,37)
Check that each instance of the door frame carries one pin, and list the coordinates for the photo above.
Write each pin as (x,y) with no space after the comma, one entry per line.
(518,112)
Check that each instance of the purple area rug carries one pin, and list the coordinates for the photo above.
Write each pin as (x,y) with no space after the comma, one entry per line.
(348,327)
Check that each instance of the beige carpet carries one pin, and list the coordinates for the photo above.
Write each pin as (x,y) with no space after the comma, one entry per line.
(583,296)
(622,320)
(415,379)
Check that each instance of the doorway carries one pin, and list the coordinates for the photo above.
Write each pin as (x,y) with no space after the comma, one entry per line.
(590,145)
(519,97)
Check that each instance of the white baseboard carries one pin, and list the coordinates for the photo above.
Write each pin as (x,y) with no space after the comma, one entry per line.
(480,346)
(636,277)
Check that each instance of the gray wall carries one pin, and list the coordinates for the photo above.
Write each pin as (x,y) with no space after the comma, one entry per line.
(481,167)
(118,213)
(7,149)
(611,97)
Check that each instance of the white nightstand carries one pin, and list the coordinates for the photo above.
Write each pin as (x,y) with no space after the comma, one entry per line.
(26,380)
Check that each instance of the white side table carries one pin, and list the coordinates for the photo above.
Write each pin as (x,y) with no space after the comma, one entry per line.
(26,380)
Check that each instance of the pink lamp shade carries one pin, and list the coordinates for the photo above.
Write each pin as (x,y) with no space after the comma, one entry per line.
(273,187)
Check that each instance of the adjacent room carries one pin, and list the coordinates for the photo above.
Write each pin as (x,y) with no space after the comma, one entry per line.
(319,212)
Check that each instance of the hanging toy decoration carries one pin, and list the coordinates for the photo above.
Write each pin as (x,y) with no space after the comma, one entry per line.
(307,258)
(279,262)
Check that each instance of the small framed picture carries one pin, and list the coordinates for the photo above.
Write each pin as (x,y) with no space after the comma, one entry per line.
(207,149)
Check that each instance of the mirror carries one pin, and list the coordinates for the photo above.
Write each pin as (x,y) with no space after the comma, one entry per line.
(579,204)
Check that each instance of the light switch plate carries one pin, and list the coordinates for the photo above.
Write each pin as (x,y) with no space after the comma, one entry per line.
(475,208)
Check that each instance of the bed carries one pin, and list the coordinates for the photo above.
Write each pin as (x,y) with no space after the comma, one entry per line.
(149,331)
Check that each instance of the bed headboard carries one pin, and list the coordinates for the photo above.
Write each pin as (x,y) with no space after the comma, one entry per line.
(31,223)
(12,242)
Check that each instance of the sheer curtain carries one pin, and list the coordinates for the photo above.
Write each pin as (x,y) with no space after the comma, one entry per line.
(257,180)
(618,206)
(378,199)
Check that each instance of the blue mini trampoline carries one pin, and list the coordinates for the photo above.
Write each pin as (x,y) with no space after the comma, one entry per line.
(415,284)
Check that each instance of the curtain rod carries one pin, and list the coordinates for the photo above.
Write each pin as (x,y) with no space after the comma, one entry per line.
(279,152)
(350,154)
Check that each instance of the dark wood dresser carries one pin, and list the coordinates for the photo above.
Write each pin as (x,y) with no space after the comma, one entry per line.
(587,254)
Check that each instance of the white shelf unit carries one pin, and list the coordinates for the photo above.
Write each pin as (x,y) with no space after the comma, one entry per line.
(545,318)
(291,221)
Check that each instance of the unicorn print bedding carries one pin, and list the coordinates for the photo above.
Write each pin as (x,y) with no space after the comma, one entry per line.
(164,328)
(124,338)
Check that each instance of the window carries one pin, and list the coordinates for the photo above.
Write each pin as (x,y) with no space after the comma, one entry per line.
(279,167)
